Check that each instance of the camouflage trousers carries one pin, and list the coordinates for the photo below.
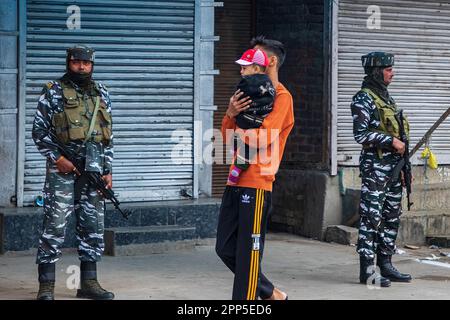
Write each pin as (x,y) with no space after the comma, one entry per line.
(379,209)
(63,194)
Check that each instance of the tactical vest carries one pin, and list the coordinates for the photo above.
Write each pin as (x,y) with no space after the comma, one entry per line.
(73,123)
(388,124)
(387,112)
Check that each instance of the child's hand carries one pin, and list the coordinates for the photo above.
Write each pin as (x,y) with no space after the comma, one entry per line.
(233,177)
(238,104)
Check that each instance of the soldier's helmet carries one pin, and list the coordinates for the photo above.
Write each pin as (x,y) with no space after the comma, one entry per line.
(80,52)
(377,59)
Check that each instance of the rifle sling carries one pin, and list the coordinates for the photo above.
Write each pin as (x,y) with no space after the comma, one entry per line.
(92,124)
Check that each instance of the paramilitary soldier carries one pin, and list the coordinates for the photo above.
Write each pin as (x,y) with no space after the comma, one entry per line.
(78,111)
(375,127)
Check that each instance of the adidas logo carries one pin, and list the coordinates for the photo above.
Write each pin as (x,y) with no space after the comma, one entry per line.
(245,198)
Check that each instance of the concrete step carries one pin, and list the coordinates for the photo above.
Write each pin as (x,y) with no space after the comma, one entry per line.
(428,199)
(442,241)
(20,227)
(148,239)
(201,214)
(430,189)
(417,225)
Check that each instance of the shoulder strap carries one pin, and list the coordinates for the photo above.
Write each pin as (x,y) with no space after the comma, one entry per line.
(63,84)
(92,124)
(94,116)
(378,101)
(68,90)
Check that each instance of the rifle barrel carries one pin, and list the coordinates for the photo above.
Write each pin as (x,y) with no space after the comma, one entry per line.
(429,132)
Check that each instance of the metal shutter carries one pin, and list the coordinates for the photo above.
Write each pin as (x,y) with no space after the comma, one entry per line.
(144,55)
(417,33)
(234,24)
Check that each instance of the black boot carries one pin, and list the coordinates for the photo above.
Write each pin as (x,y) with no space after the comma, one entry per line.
(389,271)
(89,286)
(46,281)
(366,271)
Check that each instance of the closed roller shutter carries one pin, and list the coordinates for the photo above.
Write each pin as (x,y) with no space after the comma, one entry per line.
(234,24)
(144,55)
(417,33)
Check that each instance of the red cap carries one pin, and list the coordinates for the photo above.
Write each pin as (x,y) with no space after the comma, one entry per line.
(253,56)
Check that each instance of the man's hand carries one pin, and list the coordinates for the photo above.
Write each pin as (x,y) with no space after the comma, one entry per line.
(108,180)
(237,104)
(399,146)
(65,166)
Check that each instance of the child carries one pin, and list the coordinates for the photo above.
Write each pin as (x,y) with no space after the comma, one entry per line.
(256,85)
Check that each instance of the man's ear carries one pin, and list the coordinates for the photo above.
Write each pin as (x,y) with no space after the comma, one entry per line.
(273,61)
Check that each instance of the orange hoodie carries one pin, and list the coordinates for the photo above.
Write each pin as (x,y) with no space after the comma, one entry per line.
(269,138)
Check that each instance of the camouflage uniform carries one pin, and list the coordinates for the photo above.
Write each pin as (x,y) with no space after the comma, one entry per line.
(377,203)
(65,192)
(380,205)
(77,111)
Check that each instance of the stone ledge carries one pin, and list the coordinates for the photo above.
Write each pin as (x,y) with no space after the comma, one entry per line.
(341,234)
(20,227)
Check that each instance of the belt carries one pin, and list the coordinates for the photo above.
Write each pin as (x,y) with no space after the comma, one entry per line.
(375,149)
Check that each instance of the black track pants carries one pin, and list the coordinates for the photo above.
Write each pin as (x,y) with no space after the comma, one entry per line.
(240,240)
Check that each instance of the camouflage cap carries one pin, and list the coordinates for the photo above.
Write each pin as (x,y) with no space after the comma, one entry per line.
(80,52)
(378,59)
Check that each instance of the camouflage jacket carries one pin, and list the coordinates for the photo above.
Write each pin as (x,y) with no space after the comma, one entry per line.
(365,117)
(51,103)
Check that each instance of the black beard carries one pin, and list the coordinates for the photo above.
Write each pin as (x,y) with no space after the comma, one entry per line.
(83,80)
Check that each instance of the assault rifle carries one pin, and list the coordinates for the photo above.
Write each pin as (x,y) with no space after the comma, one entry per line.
(94,177)
(405,163)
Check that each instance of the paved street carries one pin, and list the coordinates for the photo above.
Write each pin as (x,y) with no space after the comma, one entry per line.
(306,269)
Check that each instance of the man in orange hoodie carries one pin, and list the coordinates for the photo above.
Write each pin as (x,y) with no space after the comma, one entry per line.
(245,206)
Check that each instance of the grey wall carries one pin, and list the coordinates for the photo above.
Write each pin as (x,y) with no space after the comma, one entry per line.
(300,26)
(204,65)
(305,198)
(305,202)
(8,99)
